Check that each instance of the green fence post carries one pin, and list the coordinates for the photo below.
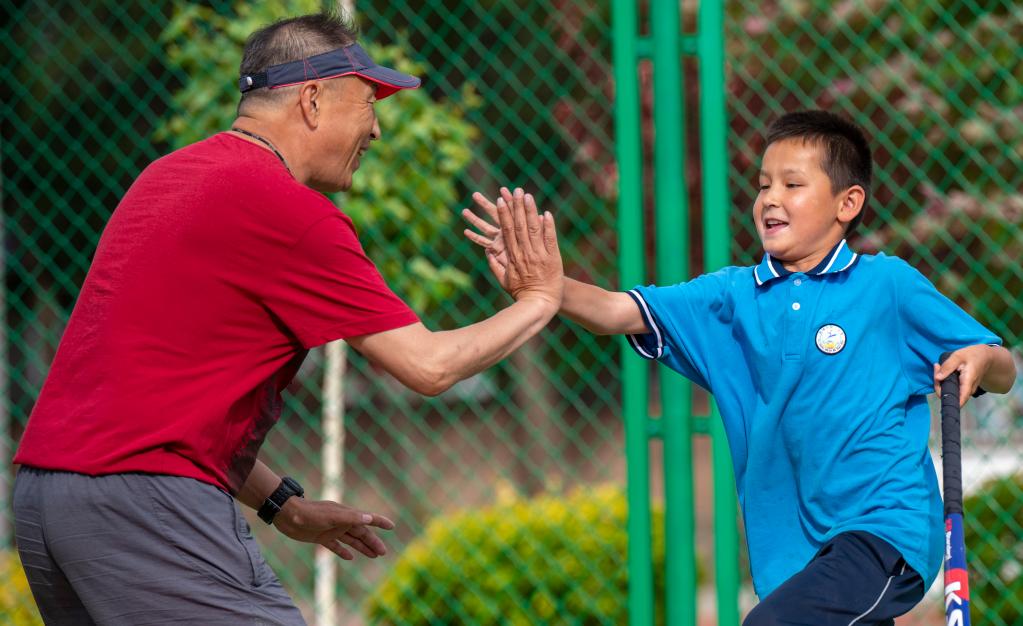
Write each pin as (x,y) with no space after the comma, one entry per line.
(631,271)
(672,249)
(716,246)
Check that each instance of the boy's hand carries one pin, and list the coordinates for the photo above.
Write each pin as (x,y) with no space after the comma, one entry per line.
(972,363)
(489,236)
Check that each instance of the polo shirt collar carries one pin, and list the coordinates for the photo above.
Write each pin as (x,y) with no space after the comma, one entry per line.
(840,258)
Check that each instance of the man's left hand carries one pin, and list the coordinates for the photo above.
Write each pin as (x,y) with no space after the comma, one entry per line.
(334,526)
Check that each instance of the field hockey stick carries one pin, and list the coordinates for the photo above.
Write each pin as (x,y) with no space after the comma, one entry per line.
(957,587)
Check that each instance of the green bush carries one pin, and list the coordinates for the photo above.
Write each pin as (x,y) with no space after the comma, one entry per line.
(16,604)
(994,550)
(548,560)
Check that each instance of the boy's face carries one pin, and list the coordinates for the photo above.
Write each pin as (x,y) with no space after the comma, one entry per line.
(797,216)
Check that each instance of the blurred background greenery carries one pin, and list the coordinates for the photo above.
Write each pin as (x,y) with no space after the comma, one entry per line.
(519,93)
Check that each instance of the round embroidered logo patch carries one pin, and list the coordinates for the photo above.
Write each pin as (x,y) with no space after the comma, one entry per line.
(830,339)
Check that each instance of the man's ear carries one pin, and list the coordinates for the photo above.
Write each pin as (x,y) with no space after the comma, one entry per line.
(851,203)
(309,96)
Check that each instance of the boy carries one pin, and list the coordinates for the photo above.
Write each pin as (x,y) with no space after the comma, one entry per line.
(820,360)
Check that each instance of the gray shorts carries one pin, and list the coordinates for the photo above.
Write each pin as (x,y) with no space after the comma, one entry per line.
(139,549)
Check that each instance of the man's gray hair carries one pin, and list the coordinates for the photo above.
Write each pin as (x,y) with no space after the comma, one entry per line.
(289,40)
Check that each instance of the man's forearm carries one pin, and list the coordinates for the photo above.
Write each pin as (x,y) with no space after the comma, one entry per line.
(466,351)
(430,362)
(258,486)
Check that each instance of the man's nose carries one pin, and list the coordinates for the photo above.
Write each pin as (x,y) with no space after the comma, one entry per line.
(375,133)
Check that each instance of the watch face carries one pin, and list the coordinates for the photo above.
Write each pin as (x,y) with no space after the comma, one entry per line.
(293,485)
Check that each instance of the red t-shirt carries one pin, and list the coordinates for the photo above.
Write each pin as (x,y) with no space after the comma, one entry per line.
(215,275)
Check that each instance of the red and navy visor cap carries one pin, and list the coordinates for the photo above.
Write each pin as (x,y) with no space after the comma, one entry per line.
(350,60)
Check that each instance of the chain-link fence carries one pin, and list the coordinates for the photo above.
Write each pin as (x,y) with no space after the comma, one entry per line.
(517,93)
(938,87)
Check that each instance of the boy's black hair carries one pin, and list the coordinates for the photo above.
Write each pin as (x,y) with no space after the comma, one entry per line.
(846,153)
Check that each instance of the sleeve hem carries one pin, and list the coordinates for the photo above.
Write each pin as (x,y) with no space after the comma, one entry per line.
(648,319)
(378,324)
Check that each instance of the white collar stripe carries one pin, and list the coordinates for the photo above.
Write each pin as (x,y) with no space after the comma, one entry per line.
(756,275)
(770,266)
(833,257)
(849,263)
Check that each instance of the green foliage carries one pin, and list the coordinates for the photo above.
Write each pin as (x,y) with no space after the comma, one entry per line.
(994,549)
(404,195)
(16,603)
(549,560)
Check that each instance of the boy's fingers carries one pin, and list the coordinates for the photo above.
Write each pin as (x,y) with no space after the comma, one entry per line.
(967,385)
(484,203)
(477,238)
(550,234)
(481,224)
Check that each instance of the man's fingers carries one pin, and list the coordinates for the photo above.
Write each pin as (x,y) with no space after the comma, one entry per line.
(339,549)
(518,211)
(344,516)
(481,224)
(504,217)
(368,538)
(533,223)
(380,521)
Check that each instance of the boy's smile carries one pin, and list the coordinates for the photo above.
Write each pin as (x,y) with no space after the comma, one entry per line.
(798,217)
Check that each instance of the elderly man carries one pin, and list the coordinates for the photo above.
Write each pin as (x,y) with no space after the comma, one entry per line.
(221,267)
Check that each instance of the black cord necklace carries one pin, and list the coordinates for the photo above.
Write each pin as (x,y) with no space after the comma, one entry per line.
(265,142)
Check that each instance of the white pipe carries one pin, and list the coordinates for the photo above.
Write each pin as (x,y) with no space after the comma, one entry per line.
(325,574)
(333,475)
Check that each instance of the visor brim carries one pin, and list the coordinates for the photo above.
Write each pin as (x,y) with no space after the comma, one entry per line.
(388,81)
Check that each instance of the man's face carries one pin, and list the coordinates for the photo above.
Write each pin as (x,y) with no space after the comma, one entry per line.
(348,124)
(796,212)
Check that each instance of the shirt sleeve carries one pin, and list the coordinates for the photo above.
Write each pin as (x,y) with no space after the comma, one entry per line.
(685,321)
(327,288)
(930,325)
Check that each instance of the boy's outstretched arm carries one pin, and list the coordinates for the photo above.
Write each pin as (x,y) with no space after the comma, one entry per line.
(598,310)
(990,367)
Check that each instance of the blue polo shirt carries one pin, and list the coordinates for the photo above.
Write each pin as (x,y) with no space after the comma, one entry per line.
(821,379)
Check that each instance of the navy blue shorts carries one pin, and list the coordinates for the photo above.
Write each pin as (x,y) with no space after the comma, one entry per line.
(856,578)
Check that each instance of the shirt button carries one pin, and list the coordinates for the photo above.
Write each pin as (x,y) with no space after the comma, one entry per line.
(797,282)
(795,306)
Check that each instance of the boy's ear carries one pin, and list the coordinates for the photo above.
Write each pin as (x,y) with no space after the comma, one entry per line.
(852,203)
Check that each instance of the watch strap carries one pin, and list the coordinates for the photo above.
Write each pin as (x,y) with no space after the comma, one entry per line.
(275,501)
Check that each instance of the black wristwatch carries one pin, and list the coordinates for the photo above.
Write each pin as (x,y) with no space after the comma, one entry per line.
(273,504)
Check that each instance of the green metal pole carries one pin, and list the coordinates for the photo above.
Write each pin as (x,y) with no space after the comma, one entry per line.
(629,154)
(717,240)
(672,267)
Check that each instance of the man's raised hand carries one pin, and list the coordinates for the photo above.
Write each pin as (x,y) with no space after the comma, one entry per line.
(522,250)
